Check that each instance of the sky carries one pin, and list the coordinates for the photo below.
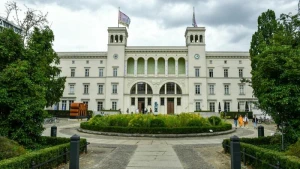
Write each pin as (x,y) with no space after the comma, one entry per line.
(81,25)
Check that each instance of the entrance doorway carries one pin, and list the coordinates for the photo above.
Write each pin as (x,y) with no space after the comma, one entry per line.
(141,104)
(170,105)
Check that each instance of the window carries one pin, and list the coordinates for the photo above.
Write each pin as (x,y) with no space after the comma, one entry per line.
(149,101)
(242,106)
(71,91)
(211,89)
(101,72)
(210,61)
(198,108)
(101,61)
(197,89)
(87,72)
(64,104)
(212,106)
(162,101)
(225,61)
(70,102)
(114,89)
(56,106)
(226,88)
(73,61)
(132,101)
(114,105)
(99,106)
(241,89)
(227,106)
(87,62)
(240,62)
(86,89)
(240,73)
(72,72)
(115,72)
(211,72)
(225,72)
(197,72)
(178,101)
(100,89)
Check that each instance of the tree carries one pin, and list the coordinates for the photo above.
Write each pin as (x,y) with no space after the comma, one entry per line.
(275,62)
(28,83)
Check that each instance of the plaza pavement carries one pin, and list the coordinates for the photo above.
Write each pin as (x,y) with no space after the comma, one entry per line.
(147,152)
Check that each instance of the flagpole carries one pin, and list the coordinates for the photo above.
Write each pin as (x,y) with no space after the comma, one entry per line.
(118,16)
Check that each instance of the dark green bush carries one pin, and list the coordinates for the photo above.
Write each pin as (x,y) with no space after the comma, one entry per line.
(214,120)
(64,113)
(10,148)
(157,123)
(294,149)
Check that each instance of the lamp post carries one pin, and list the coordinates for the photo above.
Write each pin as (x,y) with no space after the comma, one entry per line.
(219,107)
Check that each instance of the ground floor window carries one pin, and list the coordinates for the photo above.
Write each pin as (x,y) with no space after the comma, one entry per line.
(198,108)
(178,101)
(132,101)
(114,105)
(162,101)
(64,104)
(227,106)
(212,106)
(149,101)
(70,102)
(99,106)
(86,103)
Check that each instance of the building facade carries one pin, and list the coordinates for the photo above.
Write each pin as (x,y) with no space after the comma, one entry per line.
(165,79)
(7,24)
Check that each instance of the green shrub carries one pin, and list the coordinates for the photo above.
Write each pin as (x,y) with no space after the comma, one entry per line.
(10,148)
(294,149)
(157,123)
(138,121)
(198,123)
(214,120)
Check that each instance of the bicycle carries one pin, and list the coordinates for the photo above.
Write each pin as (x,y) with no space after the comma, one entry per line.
(51,120)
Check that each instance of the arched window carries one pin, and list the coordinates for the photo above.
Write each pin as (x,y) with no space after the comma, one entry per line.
(116,38)
(170,88)
(130,66)
(121,38)
(171,66)
(111,38)
(201,39)
(196,38)
(191,38)
(150,66)
(181,66)
(141,66)
(161,66)
(141,88)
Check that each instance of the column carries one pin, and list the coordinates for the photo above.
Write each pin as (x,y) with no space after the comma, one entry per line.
(136,89)
(155,67)
(186,68)
(175,88)
(146,61)
(176,68)
(146,88)
(165,85)
(166,67)
(125,68)
(135,67)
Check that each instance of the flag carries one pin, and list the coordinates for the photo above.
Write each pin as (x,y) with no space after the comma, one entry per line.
(194,19)
(124,19)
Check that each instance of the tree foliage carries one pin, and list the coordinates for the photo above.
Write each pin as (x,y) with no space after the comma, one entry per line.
(275,62)
(28,83)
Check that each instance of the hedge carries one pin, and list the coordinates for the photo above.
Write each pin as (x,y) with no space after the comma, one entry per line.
(266,156)
(156,130)
(231,114)
(40,156)
(64,113)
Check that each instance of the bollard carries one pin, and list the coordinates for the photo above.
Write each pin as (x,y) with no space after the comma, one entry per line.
(235,152)
(53,131)
(74,152)
(260,131)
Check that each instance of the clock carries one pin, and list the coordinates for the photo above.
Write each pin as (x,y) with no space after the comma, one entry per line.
(197,56)
(115,56)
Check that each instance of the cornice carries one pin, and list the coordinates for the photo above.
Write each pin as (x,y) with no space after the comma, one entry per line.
(82,55)
(156,49)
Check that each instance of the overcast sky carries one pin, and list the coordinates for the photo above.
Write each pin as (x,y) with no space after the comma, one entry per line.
(81,25)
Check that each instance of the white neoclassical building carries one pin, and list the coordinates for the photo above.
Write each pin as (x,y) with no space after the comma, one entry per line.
(167,79)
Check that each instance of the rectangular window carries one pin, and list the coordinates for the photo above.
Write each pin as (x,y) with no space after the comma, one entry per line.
(73,61)
(114,105)
(197,72)
(240,73)
(149,101)
(87,72)
(225,72)
(178,101)
(212,106)
(101,61)
(115,72)
(100,89)
(56,106)
(132,101)
(211,72)
(87,62)
(240,62)
(70,102)
(72,87)
(64,104)
(226,88)
(162,101)
(211,89)
(86,89)
(225,61)
(198,108)
(99,106)
(227,106)
(114,89)
(197,89)
(72,72)
(210,61)
(242,89)
(101,72)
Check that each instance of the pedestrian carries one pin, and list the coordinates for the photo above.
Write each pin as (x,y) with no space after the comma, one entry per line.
(254,121)
(127,111)
(150,110)
(146,110)
(245,120)
(137,111)
(240,119)
(235,119)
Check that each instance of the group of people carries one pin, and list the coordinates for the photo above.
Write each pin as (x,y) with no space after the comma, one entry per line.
(243,121)
(137,111)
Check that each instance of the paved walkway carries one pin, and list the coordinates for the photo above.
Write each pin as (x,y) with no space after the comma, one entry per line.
(151,153)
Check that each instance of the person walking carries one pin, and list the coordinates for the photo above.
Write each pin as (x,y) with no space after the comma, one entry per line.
(246,120)
(240,119)
(254,121)
(235,119)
